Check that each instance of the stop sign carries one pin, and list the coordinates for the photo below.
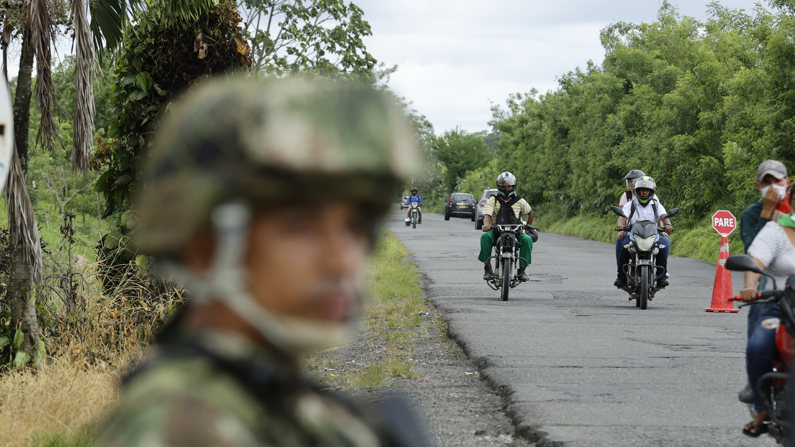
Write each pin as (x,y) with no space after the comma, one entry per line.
(724,222)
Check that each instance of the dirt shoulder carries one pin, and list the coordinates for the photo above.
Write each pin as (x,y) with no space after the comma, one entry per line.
(445,386)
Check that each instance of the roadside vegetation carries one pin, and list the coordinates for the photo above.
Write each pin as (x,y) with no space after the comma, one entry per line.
(696,105)
(394,313)
(61,403)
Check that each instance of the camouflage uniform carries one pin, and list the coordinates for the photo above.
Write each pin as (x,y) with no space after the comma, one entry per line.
(261,142)
(199,390)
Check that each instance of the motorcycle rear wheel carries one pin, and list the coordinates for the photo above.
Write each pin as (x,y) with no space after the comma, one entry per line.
(506,278)
(645,279)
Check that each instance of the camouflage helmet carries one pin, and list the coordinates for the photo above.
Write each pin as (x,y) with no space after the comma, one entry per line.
(270,142)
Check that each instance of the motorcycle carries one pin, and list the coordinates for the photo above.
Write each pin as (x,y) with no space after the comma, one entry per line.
(641,270)
(414,214)
(506,256)
(779,425)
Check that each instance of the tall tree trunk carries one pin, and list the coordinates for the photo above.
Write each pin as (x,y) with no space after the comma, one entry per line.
(25,245)
(23,307)
(22,100)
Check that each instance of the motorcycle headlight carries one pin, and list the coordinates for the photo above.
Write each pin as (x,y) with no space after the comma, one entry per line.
(644,244)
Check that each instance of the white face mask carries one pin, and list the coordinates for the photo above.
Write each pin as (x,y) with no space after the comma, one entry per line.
(781,190)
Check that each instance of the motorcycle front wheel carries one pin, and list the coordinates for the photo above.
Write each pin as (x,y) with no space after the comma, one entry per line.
(506,278)
(645,280)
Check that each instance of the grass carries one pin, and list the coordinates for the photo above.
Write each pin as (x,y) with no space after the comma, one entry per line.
(87,233)
(55,405)
(392,317)
(693,239)
(382,373)
(61,403)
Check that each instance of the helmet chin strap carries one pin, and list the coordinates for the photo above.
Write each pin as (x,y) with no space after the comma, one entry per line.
(226,282)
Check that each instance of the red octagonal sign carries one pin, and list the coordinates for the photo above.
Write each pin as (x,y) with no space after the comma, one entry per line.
(724,222)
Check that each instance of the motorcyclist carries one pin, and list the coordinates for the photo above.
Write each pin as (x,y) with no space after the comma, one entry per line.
(629,180)
(415,197)
(626,197)
(645,207)
(773,251)
(505,207)
(771,181)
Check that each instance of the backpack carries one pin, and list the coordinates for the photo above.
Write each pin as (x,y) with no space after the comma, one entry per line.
(505,215)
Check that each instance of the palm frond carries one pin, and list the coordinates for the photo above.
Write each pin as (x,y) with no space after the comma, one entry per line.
(22,220)
(85,64)
(108,18)
(43,33)
(184,11)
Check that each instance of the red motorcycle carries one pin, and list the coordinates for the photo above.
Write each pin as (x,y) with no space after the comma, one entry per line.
(779,380)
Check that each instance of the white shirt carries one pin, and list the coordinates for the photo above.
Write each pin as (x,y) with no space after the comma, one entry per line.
(623,201)
(643,213)
(774,249)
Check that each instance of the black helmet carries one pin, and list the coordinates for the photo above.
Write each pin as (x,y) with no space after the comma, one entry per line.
(632,175)
(413,189)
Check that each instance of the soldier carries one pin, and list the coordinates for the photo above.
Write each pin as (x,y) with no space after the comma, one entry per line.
(263,198)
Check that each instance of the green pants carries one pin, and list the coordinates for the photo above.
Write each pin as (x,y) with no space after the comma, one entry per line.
(488,239)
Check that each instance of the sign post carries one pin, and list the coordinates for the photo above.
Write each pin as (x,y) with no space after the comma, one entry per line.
(724,223)
(6,131)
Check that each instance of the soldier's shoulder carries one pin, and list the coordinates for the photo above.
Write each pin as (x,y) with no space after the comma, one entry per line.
(183,402)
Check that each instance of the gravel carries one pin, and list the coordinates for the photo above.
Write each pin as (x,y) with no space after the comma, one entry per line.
(459,407)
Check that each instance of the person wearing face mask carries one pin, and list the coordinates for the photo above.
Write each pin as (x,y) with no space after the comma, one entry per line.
(773,250)
(771,182)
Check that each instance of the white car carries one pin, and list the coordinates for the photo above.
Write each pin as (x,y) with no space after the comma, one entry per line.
(488,192)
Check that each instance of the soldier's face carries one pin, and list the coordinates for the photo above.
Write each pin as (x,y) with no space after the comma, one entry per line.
(309,262)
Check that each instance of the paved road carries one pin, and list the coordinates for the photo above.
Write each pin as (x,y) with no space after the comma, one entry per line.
(581,364)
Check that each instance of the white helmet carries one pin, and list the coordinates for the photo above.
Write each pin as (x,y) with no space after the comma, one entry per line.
(645,182)
(505,180)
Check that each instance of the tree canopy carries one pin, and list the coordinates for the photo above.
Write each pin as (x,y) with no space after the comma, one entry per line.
(325,37)
(695,105)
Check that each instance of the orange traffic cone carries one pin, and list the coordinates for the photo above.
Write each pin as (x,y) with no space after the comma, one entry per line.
(722,289)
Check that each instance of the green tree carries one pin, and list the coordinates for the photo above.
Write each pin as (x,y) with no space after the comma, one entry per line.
(325,37)
(695,105)
(35,24)
(157,61)
(459,151)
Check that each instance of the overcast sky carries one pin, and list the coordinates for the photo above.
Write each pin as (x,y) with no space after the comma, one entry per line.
(456,58)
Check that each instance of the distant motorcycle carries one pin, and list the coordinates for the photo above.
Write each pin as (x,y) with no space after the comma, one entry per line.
(780,425)
(506,256)
(641,270)
(414,214)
